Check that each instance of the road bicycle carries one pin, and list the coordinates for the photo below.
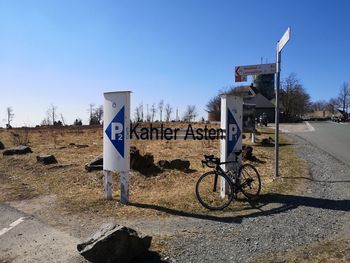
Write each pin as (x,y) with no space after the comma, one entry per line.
(208,187)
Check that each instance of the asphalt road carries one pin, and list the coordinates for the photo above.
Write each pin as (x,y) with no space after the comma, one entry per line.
(24,238)
(334,138)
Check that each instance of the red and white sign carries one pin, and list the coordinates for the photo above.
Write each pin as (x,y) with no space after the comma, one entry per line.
(239,78)
(243,71)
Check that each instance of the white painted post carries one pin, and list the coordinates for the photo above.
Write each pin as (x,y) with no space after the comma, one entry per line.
(232,122)
(107,184)
(253,137)
(116,142)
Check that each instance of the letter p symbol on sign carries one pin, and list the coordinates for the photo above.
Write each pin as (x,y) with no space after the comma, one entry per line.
(117,128)
(232,131)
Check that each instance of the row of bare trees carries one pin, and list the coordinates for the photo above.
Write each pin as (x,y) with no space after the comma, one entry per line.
(96,114)
(189,115)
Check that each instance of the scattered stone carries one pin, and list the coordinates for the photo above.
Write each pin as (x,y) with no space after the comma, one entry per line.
(114,243)
(179,164)
(247,152)
(164,164)
(142,163)
(18,150)
(95,165)
(2,146)
(46,159)
(81,145)
(267,142)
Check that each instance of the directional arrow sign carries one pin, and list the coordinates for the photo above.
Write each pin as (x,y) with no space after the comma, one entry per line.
(239,78)
(115,132)
(255,70)
(284,39)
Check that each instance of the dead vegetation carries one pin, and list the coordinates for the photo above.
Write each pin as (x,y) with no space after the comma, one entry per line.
(170,192)
(330,251)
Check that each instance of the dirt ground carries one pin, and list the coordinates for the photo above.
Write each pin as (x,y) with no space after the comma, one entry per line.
(66,196)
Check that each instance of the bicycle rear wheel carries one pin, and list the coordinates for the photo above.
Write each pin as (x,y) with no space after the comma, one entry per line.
(250,183)
(208,191)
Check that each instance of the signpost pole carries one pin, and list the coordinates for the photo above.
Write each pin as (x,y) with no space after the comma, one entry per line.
(280,45)
(277,109)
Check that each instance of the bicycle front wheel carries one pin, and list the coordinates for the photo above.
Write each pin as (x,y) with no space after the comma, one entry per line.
(208,191)
(250,183)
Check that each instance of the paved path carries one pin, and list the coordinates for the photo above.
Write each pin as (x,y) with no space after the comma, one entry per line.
(24,238)
(332,137)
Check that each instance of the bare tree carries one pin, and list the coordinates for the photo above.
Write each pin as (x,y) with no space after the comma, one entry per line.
(319,105)
(148,115)
(295,101)
(190,113)
(168,111)
(141,106)
(98,113)
(46,122)
(153,111)
(160,107)
(52,114)
(10,115)
(138,113)
(63,120)
(344,97)
(91,112)
(333,103)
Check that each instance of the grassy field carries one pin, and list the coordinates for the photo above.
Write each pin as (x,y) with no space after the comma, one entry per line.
(77,191)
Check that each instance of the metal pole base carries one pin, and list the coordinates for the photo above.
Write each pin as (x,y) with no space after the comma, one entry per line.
(107,184)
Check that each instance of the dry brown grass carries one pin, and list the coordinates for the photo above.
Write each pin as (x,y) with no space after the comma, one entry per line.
(330,251)
(77,191)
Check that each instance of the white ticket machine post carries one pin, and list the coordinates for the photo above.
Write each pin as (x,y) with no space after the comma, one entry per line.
(116,142)
(231,122)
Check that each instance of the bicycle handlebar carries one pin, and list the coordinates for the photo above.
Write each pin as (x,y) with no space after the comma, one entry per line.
(213,162)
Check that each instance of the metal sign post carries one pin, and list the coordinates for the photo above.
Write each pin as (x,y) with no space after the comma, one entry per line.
(280,44)
(231,122)
(116,144)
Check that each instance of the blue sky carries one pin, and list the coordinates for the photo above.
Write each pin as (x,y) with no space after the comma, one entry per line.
(67,53)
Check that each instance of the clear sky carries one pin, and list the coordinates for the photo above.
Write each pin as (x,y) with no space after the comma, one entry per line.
(67,53)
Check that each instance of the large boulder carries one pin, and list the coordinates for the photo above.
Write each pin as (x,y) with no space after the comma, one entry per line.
(46,159)
(94,165)
(114,243)
(17,150)
(142,163)
(179,164)
(2,146)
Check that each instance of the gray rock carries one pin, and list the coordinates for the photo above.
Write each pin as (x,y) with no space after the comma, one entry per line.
(46,159)
(179,164)
(18,150)
(2,146)
(95,165)
(141,163)
(114,243)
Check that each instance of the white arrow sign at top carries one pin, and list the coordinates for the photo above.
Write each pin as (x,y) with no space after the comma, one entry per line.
(284,39)
(255,69)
